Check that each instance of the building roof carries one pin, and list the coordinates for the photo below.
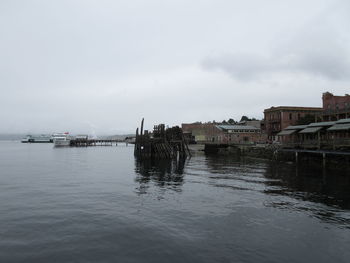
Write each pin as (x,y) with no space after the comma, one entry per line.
(321,124)
(340,127)
(236,127)
(343,121)
(286,132)
(311,130)
(293,108)
(296,127)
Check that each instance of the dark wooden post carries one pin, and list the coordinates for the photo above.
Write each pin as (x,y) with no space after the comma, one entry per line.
(141,132)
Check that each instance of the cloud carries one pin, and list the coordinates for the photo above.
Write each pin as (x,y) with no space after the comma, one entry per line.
(240,66)
(317,50)
(67,64)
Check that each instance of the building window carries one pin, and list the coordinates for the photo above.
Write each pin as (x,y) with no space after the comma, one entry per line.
(337,106)
(290,116)
(298,116)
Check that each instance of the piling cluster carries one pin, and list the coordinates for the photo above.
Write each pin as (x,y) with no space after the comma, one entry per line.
(162,143)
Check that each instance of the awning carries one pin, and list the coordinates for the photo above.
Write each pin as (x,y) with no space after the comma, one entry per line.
(339,127)
(311,130)
(343,121)
(286,132)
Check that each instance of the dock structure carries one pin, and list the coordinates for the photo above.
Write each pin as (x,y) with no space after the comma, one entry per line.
(162,143)
(85,142)
(324,155)
(326,158)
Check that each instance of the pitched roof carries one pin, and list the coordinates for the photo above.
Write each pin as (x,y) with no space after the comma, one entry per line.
(236,127)
(286,132)
(296,127)
(321,124)
(340,127)
(311,130)
(294,108)
(343,121)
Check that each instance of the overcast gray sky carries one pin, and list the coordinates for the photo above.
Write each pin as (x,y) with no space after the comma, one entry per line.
(100,66)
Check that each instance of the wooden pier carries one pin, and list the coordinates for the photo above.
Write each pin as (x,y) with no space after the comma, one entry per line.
(79,142)
(161,144)
(324,156)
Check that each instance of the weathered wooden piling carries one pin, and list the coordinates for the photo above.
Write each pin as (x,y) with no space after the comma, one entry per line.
(162,143)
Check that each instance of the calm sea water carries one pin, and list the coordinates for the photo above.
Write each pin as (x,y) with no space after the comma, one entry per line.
(98,204)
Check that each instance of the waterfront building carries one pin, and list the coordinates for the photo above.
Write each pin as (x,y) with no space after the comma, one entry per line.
(278,118)
(240,134)
(335,107)
(201,132)
(224,133)
(318,135)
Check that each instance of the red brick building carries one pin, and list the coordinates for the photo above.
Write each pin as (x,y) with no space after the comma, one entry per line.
(202,132)
(240,134)
(335,107)
(278,118)
(223,133)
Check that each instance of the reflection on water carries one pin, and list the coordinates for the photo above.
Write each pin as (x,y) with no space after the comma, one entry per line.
(293,187)
(310,183)
(163,173)
(325,194)
(80,205)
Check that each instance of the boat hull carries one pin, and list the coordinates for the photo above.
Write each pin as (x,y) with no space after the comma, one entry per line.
(61,143)
(37,139)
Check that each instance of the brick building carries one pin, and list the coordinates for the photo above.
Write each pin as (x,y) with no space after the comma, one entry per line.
(202,132)
(335,107)
(240,134)
(319,135)
(223,133)
(278,118)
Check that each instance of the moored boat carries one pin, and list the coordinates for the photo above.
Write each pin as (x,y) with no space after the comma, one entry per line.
(61,139)
(27,139)
(37,139)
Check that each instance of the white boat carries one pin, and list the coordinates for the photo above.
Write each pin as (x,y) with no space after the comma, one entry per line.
(27,139)
(61,139)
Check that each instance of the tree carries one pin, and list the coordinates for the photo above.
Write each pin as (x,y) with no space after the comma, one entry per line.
(245,118)
(231,121)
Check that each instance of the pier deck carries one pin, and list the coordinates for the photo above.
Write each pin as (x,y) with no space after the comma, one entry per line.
(95,142)
(316,151)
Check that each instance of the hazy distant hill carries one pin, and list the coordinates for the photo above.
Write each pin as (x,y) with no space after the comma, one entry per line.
(11,137)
